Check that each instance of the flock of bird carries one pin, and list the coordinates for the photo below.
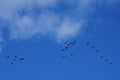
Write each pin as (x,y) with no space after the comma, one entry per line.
(67,45)
(73,43)
(15,59)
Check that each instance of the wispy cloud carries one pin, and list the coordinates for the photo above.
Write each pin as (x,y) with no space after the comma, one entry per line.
(61,19)
(68,29)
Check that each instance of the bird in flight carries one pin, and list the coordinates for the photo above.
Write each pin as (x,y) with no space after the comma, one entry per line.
(8,57)
(12,63)
(68,44)
(87,43)
(92,47)
(66,47)
(63,49)
(64,56)
(21,59)
(110,63)
(73,43)
(71,54)
(15,56)
(106,59)
(96,50)
(101,57)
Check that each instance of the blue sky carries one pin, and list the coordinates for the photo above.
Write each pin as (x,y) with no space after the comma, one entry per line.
(37,30)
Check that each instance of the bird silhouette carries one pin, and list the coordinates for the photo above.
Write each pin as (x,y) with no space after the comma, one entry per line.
(71,54)
(68,44)
(92,47)
(66,47)
(15,56)
(96,50)
(101,56)
(106,59)
(87,43)
(12,63)
(21,59)
(63,49)
(110,63)
(74,42)
(64,56)
(8,56)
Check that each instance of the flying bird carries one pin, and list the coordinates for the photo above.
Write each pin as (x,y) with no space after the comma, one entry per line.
(110,63)
(106,59)
(92,47)
(12,63)
(21,59)
(66,47)
(71,54)
(101,57)
(96,50)
(68,44)
(74,42)
(63,49)
(8,56)
(87,43)
(64,56)
(15,56)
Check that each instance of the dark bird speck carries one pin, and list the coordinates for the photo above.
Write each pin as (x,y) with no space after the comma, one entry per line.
(66,47)
(96,50)
(110,63)
(64,56)
(87,43)
(8,56)
(15,56)
(21,59)
(12,63)
(106,59)
(101,57)
(71,54)
(63,49)
(68,44)
(75,42)
(92,47)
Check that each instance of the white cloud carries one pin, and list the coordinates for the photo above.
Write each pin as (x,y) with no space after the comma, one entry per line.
(68,29)
(22,28)
(46,22)
(27,27)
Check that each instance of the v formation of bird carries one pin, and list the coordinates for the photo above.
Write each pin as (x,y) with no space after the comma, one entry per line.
(67,45)
(72,43)
(15,59)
